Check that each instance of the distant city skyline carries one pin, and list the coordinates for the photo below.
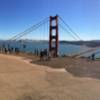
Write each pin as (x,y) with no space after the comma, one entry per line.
(18,15)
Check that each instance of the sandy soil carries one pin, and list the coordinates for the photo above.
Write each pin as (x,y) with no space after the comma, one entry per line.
(20,80)
(79,67)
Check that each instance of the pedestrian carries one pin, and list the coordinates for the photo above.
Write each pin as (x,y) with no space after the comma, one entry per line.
(93,57)
(41,55)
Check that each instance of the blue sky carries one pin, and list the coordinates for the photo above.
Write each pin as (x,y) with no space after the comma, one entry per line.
(82,15)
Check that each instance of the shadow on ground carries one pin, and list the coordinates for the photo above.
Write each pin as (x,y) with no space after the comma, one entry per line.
(84,68)
(77,67)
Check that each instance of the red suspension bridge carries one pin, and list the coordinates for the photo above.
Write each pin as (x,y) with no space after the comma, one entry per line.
(54,26)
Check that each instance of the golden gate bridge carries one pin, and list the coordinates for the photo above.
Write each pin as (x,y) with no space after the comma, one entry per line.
(54,26)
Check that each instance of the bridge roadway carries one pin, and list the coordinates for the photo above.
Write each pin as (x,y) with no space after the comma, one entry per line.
(20,80)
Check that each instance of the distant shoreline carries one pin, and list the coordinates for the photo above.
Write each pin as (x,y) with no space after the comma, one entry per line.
(90,43)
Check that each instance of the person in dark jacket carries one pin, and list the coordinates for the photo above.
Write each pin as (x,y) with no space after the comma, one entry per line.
(93,57)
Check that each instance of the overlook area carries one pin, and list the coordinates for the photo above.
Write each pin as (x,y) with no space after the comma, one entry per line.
(20,80)
(49,49)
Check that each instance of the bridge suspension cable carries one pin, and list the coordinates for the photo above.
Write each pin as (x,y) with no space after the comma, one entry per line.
(29,30)
(62,27)
(66,28)
(71,30)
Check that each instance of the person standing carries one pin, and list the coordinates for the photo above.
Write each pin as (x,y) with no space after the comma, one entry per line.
(93,57)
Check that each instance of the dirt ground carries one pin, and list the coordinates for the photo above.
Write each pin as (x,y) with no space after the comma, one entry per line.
(20,80)
(80,67)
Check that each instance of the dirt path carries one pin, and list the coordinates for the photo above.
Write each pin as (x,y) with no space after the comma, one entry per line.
(20,80)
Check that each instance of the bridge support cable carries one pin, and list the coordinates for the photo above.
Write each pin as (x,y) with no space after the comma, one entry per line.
(74,35)
(29,30)
(64,29)
(71,30)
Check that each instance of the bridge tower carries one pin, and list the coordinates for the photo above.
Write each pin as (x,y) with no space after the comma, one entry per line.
(53,36)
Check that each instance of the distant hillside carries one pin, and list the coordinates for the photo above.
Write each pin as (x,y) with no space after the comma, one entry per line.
(93,43)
